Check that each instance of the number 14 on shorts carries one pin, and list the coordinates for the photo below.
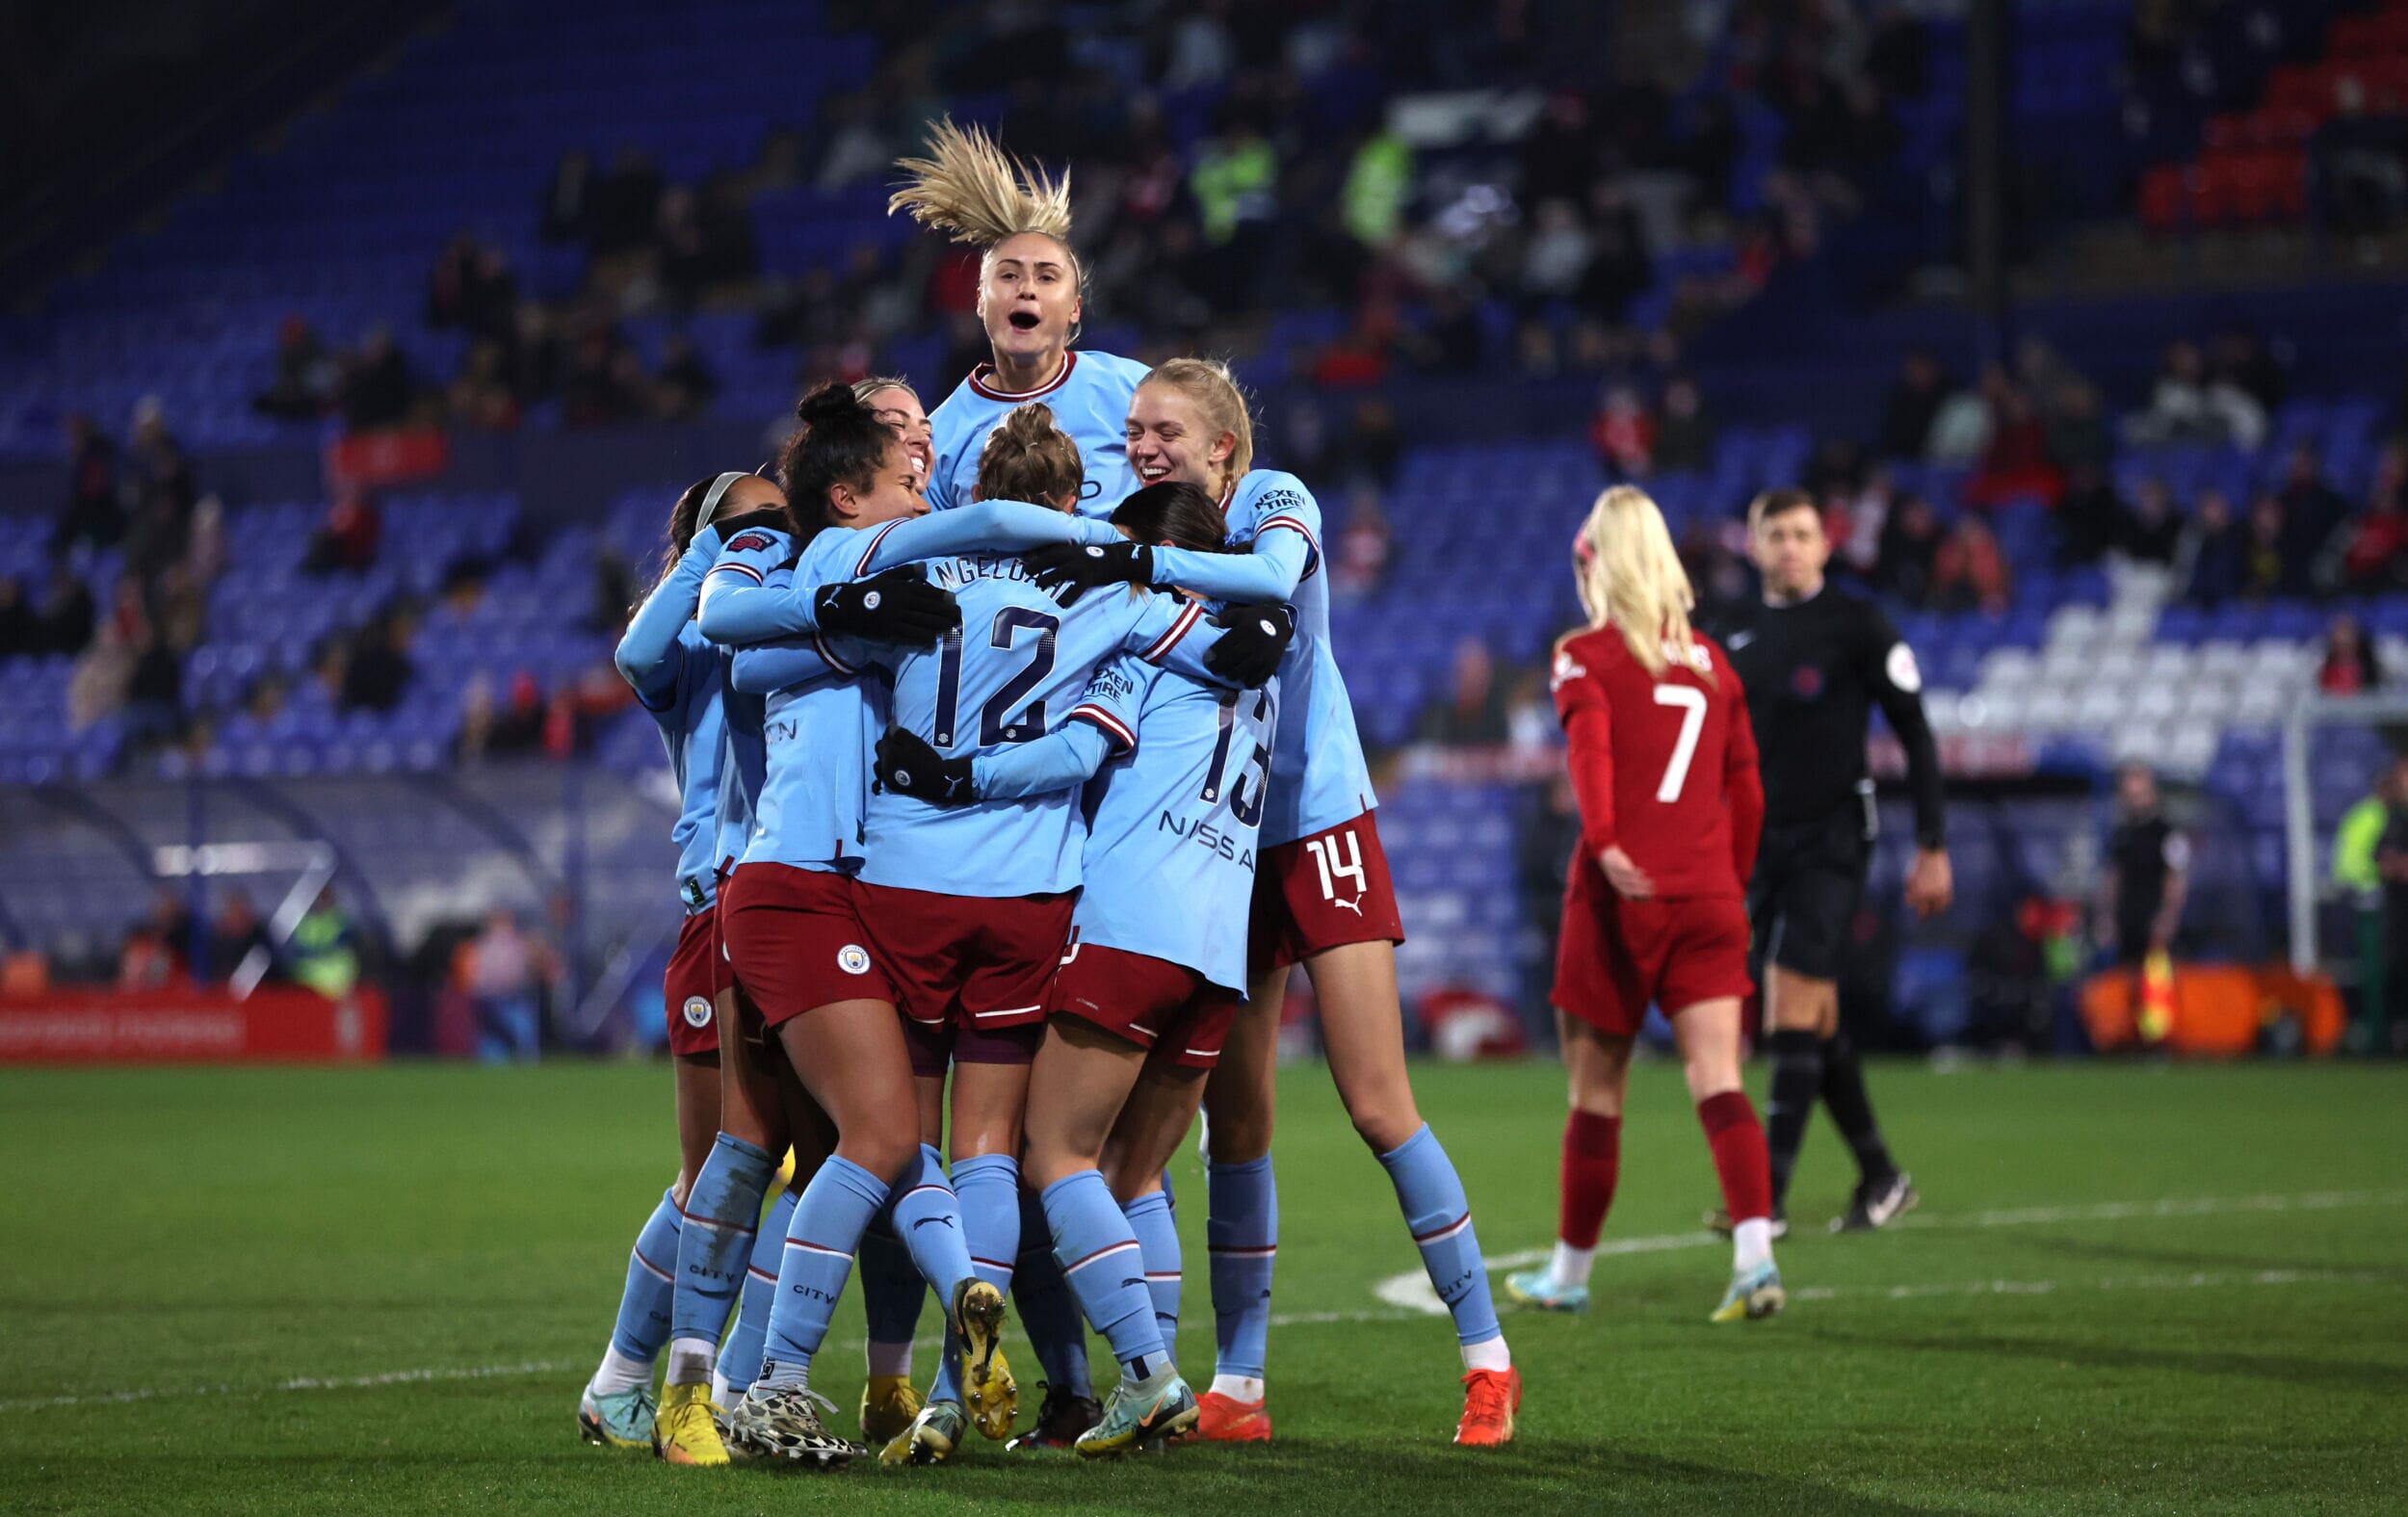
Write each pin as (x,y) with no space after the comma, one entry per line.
(1338,857)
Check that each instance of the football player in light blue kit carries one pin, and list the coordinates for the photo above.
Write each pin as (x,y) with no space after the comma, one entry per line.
(676,675)
(1173,818)
(1030,284)
(1322,898)
(1029,299)
(788,910)
(969,909)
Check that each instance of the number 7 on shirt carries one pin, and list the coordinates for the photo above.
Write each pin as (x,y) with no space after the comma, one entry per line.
(1692,703)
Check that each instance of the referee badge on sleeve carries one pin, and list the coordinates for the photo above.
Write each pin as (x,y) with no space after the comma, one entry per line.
(1901,667)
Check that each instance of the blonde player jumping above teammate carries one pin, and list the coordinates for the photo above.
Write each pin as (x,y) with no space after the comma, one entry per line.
(1030,287)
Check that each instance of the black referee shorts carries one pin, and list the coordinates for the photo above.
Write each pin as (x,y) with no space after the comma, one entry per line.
(1809,876)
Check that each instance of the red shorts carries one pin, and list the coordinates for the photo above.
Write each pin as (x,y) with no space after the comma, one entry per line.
(1616,956)
(796,941)
(1320,892)
(698,971)
(1153,1003)
(970,962)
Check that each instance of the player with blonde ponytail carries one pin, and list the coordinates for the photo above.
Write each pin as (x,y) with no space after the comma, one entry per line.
(1663,764)
(1630,577)
(1030,288)
(1322,899)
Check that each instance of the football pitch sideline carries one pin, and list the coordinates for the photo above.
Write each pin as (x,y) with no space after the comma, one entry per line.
(2127,1289)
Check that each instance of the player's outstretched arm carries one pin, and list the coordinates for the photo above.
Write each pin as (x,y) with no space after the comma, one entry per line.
(1176,635)
(1283,550)
(980,527)
(767,667)
(745,587)
(649,655)
(1064,758)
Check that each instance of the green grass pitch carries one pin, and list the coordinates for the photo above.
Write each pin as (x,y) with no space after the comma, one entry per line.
(2128,1289)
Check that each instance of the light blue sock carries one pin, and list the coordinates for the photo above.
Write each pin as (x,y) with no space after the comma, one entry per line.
(827,1224)
(926,1217)
(723,1215)
(1157,1229)
(1440,1218)
(1049,1317)
(1241,1234)
(891,1295)
(990,1187)
(643,1305)
(1099,1256)
(740,1359)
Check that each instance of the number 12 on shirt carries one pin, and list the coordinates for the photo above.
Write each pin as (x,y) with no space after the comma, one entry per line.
(995,723)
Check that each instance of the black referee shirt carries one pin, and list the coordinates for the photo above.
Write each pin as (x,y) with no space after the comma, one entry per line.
(1814,673)
(2145,850)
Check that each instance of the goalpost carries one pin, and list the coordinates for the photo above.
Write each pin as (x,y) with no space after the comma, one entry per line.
(2306,882)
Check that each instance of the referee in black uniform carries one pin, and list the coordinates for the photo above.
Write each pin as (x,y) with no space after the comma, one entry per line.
(1815,661)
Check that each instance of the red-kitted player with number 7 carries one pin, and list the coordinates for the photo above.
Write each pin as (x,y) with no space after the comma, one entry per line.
(1663,764)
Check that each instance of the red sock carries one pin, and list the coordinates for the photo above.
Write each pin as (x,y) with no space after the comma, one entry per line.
(1593,1161)
(1737,1142)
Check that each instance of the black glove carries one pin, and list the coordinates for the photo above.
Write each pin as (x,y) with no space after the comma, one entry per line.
(908,767)
(898,606)
(772,517)
(1256,640)
(1069,569)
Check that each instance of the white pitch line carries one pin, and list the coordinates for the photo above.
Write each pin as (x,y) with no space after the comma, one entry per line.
(1411,1290)
(1406,1304)
(355,1382)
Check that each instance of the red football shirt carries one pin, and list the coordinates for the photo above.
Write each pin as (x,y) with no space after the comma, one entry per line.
(1663,764)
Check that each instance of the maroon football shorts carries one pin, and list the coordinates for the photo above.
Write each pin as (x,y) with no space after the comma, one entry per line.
(1616,956)
(1155,1003)
(796,940)
(697,972)
(1320,892)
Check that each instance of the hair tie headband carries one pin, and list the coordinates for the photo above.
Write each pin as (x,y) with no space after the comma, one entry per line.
(711,499)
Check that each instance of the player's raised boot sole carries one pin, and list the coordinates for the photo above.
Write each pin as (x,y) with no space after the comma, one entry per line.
(978,1315)
(996,1404)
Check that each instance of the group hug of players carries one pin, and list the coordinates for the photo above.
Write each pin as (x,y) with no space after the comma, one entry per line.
(1017,774)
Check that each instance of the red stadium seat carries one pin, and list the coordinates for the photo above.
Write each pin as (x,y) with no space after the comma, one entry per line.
(2216,194)
(2302,88)
(2164,198)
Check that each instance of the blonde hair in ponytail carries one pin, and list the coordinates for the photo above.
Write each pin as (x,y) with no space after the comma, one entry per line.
(1028,459)
(1630,578)
(1214,389)
(971,188)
